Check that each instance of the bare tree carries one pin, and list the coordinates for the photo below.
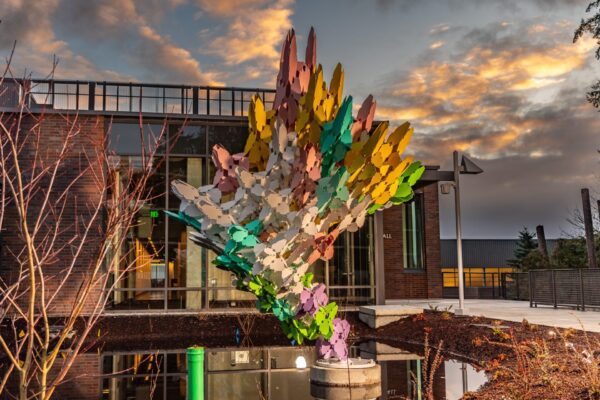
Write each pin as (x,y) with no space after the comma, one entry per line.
(66,205)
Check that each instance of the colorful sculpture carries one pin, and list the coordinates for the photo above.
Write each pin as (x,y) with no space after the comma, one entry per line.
(309,171)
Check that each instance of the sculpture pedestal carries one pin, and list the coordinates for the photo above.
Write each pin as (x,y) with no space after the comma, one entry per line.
(355,378)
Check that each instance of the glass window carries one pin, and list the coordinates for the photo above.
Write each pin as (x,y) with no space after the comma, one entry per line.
(351,269)
(187,262)
(142,267)
(233,138)
(187,269)
(190,139)
(412,237)
(126,138)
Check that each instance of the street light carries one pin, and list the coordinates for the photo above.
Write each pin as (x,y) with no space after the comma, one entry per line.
(467,166)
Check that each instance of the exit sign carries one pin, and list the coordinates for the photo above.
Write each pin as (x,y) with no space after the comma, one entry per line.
(153,213)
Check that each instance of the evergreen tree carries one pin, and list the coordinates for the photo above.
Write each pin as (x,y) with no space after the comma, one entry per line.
(535,260)
(591,26)
(572,252)
(525,245)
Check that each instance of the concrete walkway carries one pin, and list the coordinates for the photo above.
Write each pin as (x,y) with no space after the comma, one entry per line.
(516,311)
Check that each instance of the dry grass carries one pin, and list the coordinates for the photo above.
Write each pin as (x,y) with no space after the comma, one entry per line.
(528,367)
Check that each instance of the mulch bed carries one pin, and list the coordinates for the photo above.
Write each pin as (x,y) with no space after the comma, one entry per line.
(546,366)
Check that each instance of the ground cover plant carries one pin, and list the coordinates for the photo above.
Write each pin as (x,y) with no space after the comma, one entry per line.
(522,360)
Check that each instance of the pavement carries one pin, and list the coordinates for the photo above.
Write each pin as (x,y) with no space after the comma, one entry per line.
(513,310)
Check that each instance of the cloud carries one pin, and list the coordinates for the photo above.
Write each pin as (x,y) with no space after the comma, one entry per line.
(123,26)
(479,100)
(29,24)
(253,33)
(128,27)
(531,189)
(512,98)
(436,45)
(439,29)
(229,8)
(170,60)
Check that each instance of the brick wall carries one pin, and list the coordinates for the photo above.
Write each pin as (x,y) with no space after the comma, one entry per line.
(85,193)
(83,379)
(406,284)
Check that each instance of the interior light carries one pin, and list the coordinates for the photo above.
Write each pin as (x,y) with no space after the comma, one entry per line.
(300,362)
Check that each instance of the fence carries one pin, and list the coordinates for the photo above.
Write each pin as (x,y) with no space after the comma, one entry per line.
(577,288)
(515,285)
(131,97)
(478,285)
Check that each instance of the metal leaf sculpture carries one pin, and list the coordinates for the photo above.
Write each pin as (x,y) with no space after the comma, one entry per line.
(309,171)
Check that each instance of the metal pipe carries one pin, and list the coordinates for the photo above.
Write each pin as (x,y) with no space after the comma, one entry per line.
(589,228)
(459,256)
(195,363)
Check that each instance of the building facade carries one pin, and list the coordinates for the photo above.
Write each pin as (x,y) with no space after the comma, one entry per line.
(485,262)
(395,255)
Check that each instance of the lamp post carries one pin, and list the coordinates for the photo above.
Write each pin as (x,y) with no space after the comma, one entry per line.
(466,166)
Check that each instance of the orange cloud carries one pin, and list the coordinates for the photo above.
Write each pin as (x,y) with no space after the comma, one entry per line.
(436,45)
(480,96)
(254,32)
(228,8)
(179,60)
(118,23)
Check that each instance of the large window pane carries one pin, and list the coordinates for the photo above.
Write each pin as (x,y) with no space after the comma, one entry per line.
(127,138)
(221,291)
(412,236)
(141,269)
(187,268)
(233,138)
(187,169)
(189,139)
(146,238)
(351,269)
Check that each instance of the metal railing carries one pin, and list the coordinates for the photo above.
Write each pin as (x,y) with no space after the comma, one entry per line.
(131,97)
(515,285)
(576,288)
(478,285)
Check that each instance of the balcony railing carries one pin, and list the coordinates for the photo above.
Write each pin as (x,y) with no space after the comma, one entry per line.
(121,97)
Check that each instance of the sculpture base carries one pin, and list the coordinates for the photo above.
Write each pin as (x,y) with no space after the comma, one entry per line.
(355,378)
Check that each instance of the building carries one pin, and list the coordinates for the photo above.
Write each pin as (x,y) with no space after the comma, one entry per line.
(395,255)
(484,262)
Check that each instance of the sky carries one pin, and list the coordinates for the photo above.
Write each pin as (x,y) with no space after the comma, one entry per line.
(499,80)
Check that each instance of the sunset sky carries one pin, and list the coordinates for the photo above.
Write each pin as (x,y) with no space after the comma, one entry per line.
(499,80)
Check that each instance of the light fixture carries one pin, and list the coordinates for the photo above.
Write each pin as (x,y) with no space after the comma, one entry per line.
(446,187)
(300,362)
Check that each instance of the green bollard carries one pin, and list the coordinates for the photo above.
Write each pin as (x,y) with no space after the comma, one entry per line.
(195,364)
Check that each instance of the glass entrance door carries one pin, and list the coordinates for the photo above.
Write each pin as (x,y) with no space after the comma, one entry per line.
(350,272)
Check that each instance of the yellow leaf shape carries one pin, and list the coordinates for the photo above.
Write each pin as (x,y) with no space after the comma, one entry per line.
(257,116)
(376,139)
(336,87)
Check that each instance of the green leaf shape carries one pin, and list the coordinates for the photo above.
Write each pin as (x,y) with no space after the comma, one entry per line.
(331,187)
(324,319)
(336,138)
(186,219)
(282,310)
(239,236)
(254,227)
(307,279)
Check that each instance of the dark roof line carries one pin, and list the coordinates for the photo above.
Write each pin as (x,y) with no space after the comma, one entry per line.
(482,252)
